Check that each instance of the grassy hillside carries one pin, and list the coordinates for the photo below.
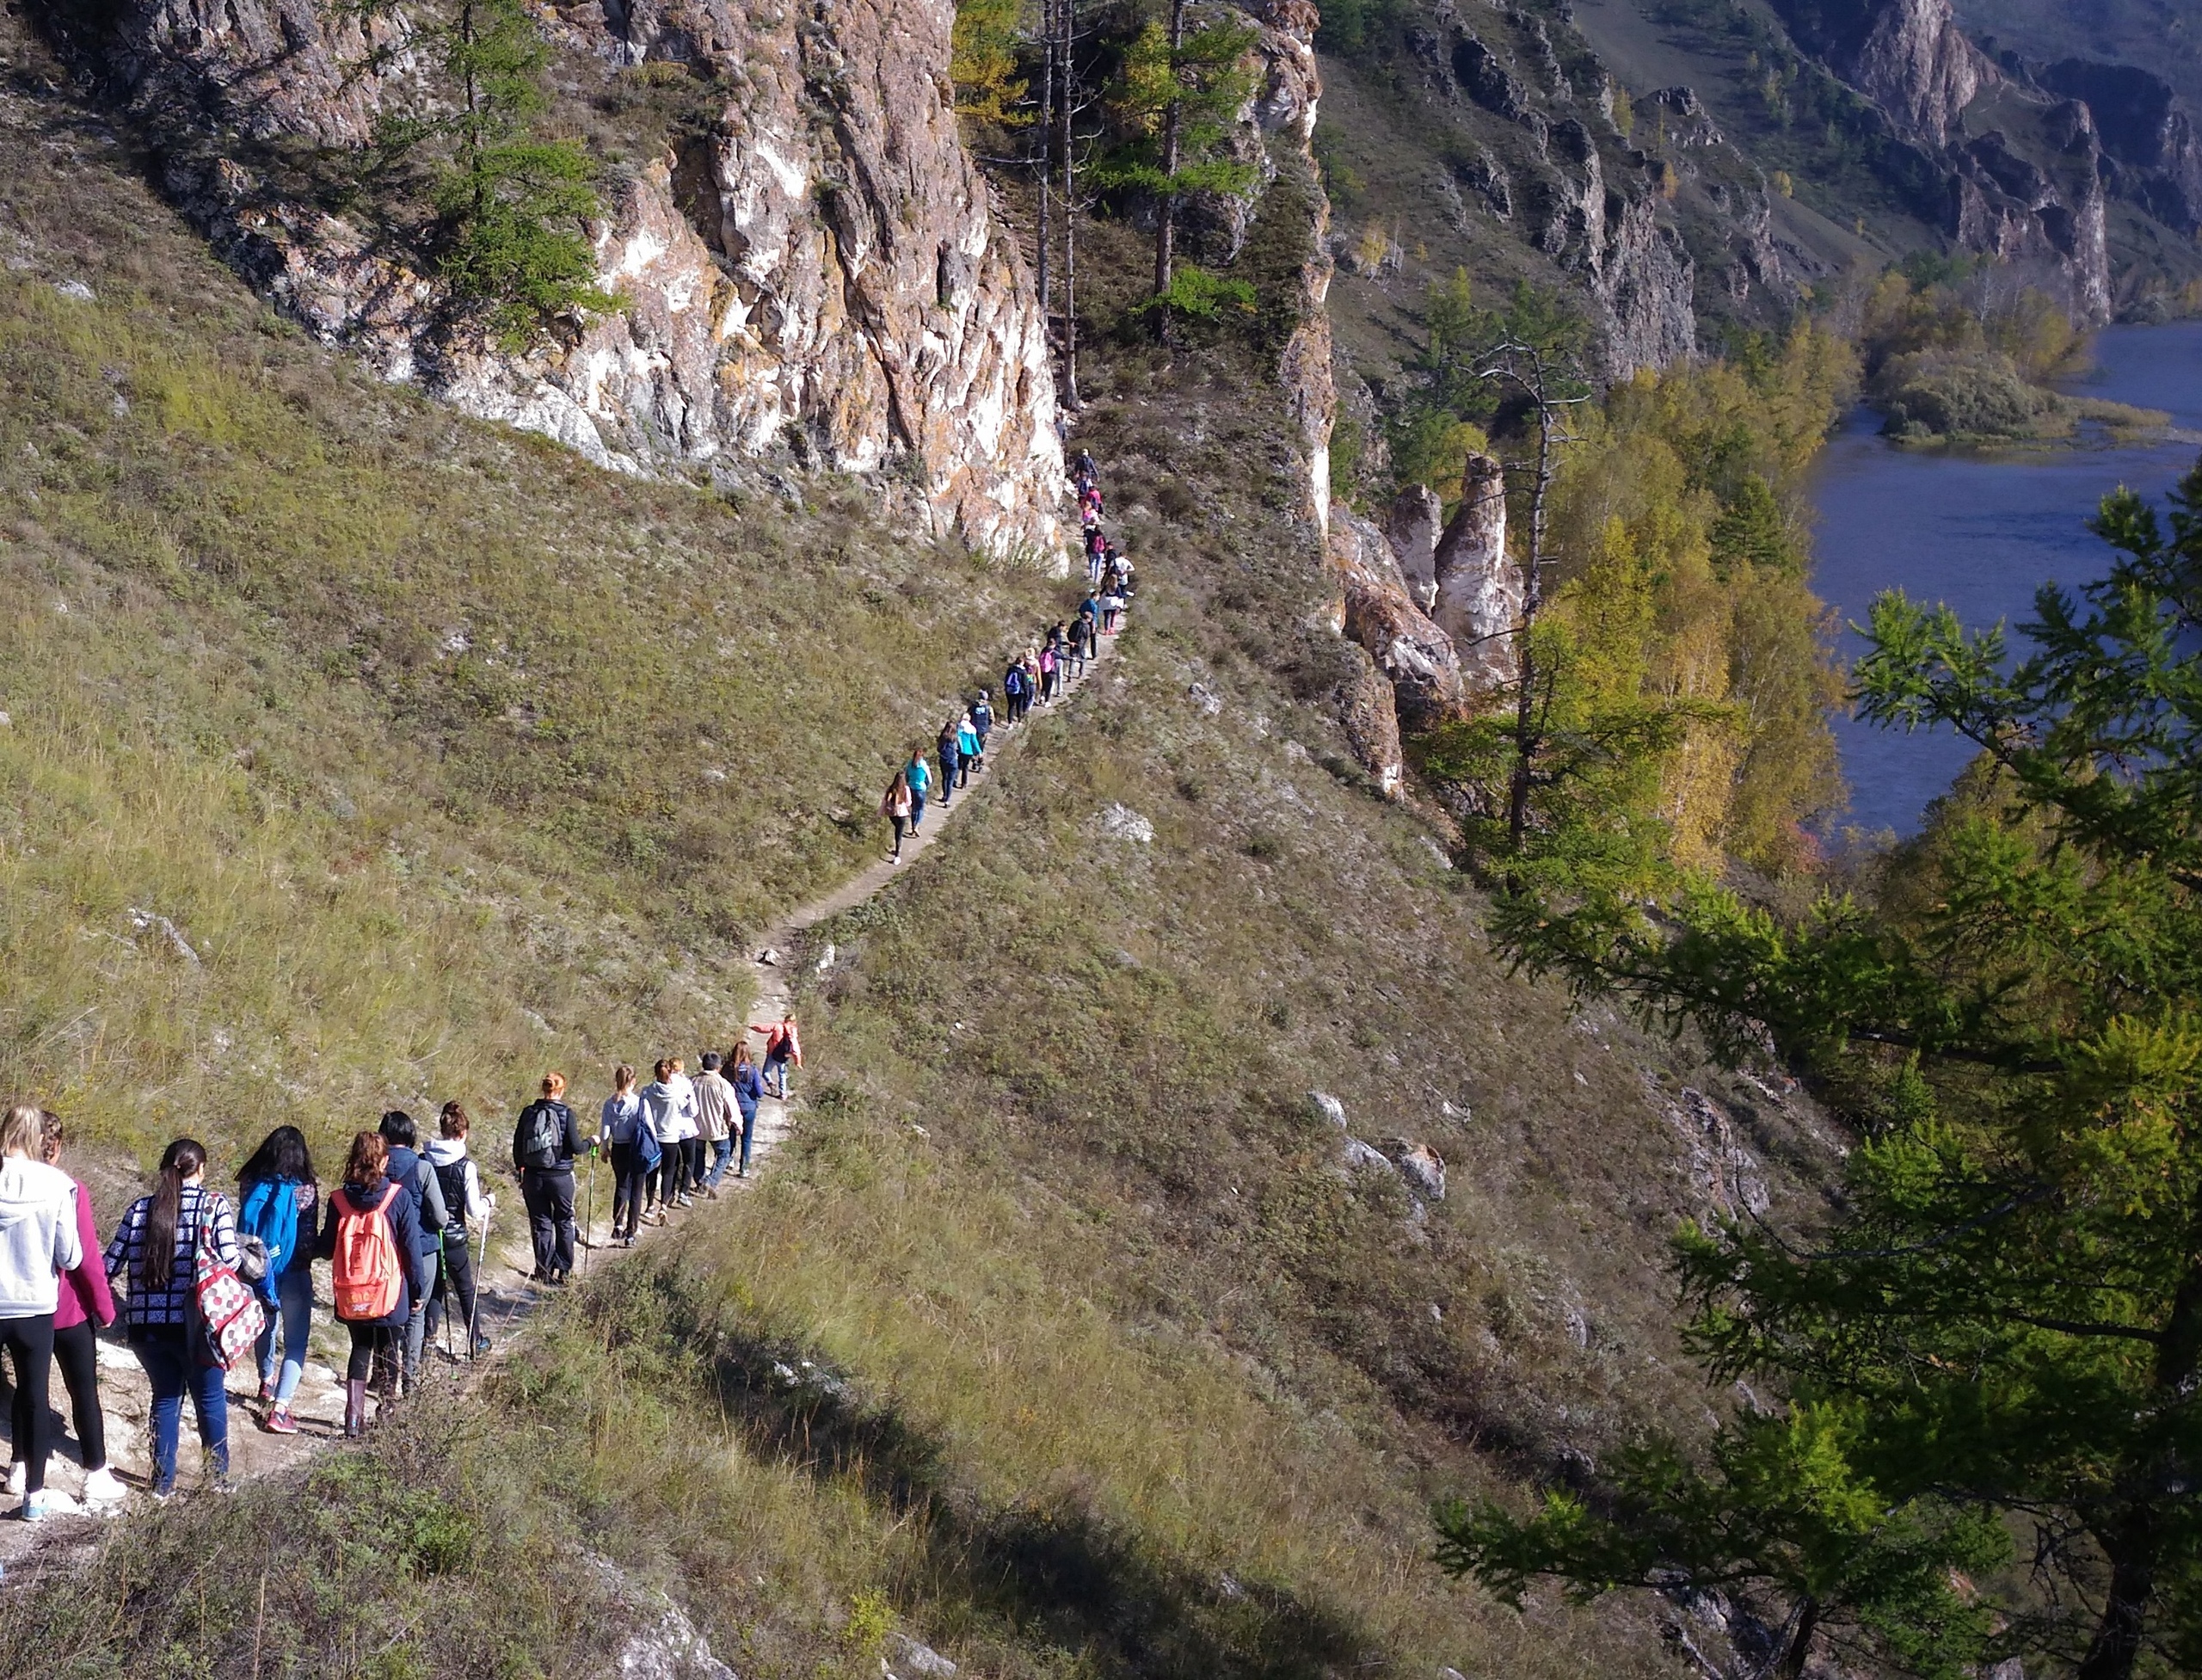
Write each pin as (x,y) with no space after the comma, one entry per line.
(1069,1335)
(444,755)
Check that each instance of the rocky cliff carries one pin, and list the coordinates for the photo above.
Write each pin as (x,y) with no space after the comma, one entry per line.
(820,277)
(2155,152)
(1909,57)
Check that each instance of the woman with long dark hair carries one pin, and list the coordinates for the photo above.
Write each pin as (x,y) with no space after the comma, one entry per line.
(153,1249)
(278,1202)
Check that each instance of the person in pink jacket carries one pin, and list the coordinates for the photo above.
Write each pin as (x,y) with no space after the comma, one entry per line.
(83,1306)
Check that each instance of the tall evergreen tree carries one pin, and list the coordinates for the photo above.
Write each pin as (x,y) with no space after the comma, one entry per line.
(1999,1330)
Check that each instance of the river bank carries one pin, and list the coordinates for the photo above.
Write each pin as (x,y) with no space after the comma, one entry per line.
(1982,530)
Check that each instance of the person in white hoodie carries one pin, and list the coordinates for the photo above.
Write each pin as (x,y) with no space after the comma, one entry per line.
(672,1099)
(37,1243)
(468,1210)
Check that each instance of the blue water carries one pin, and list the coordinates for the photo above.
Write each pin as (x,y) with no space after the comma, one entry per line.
(1983,533)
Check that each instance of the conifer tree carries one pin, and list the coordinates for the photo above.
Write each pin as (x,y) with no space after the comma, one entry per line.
(1998,1330)
(1178,95)
(511,201)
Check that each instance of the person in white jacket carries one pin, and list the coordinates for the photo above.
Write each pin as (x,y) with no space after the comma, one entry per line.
(469,1208)
(672,1099)
(37,1243)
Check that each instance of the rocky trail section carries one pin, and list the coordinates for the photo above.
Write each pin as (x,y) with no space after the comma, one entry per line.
(64,1542)
(820,279)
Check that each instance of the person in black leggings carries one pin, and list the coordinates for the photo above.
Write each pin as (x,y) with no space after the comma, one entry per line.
(84,1307)
(375,1344)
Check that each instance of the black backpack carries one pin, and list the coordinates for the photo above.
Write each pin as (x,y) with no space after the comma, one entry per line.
(546,1131)
(451,1175)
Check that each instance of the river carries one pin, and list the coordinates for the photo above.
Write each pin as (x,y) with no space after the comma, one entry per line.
(1982,531)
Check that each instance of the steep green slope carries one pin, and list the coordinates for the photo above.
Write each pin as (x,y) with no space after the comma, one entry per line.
(443,755)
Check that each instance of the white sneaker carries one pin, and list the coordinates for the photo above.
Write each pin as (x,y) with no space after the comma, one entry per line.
(19,1478)
(100,1487)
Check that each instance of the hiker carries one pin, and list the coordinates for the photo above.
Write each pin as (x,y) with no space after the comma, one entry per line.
(370,1238)
(83,1306)
(896,808)
(156,1246)
(951,760)
(1012,689)
(782,1047)
(920,777)
(687,1160)
(544,1144)
(1097,550)
(716,1120)
(468,1210)
(407,1166)
(748,1090)
(967,749)
(1083,471)
(671,1099)
(623,1130)
(1048,672)
(1112,611)
(39,1241)
(278,1203)
(982,723)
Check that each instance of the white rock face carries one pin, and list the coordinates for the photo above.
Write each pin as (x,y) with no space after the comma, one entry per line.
(823,273)
(1479,588)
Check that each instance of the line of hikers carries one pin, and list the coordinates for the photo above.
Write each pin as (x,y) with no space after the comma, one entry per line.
(207,1281)
(1038,676)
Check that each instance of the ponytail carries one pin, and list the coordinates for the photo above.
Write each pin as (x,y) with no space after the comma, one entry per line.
(179,1161)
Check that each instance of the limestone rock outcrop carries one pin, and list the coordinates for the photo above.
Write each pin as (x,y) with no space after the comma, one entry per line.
(1415,524)
(1412,653)
(2150,141)
(823,276)
(1479,587)
(1909,57)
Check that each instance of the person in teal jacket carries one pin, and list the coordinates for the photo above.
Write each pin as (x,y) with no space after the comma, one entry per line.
(919,774)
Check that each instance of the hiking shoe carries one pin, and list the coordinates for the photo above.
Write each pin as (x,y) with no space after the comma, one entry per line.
(164,1486)
(278,1422)
(481,1343)
(36,1507)
(102,1487)
(19,1478)
(267,1391)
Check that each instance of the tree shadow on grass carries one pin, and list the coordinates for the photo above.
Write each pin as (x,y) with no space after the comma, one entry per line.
(1058,1573)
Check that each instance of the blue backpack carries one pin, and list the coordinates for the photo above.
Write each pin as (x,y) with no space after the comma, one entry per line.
(271,1213)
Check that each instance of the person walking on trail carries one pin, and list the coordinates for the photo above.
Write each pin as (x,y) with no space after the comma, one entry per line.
(468,1210)
(409,1168)
(546,1143)
(717,1119)
(749,1091)
(982,723)
(155,1249)
(39,1241)
(951,760)
(896,808)
(1048,672)
(967,748)
(1083,470)
(279,1203)
(369,1239)
(920,777)
(83,1306)
(1013,690)
(782,1048)
(623,1130)
(690,1180)
(671,1099)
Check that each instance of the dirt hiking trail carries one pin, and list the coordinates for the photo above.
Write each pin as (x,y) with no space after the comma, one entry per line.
(33,1552)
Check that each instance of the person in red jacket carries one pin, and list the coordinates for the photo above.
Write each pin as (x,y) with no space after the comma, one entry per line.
(783,1049)
(84,1306)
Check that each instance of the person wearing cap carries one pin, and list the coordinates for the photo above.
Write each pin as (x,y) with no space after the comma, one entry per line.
(715,1120)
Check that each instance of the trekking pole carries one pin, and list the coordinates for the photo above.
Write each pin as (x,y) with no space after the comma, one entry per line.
(474,1317)
(588,1218)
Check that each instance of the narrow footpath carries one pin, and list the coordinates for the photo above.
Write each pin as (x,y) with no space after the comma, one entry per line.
(30,1553)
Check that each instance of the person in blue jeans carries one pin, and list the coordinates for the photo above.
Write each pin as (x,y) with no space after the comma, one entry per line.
(152,1250)
(749,1091)
(951,760)
(279,1202)
(919,774)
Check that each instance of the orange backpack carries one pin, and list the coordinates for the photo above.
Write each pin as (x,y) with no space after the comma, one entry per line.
(365,1268)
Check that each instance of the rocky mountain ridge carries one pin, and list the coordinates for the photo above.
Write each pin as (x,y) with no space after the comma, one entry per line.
(821,278)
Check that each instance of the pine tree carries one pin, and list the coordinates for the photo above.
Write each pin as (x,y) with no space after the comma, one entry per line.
(511,202)
(1178,95)
(1999,1328)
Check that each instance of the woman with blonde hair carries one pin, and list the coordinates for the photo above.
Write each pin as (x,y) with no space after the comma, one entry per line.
(39,1241)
